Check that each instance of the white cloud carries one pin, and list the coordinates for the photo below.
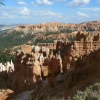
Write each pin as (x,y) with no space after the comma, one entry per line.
(98,0)
(97,15)
(82,14)
(59,0)
(50,13)
(7,15)
(42,2)
(96,9)
(25,11)
(45,14)
(21,2)
(46,2)
(77,3)
(24,16)
(71,10)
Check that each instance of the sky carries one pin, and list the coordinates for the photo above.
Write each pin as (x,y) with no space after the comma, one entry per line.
(42,11)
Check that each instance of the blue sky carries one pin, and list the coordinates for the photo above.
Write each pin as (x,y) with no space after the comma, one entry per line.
(41,11)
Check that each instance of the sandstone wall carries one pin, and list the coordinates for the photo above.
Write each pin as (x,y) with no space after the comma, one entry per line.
(53,70)
(59,27)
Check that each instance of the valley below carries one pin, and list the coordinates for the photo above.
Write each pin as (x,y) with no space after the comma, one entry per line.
(50,61)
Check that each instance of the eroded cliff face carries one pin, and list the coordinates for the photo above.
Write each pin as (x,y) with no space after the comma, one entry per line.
(59,27)
(32,68)
(54,71)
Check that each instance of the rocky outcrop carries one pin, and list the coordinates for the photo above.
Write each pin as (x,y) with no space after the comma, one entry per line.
(6,71)
(53,68)
(26,48)
(59,27)
(33,67)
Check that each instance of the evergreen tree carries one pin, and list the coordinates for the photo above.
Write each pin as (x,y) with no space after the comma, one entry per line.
(1,2)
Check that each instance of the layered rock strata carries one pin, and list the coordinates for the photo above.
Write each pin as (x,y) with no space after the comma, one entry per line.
(56,67)
(59,27)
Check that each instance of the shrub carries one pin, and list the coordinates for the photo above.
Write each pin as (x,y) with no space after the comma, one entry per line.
(91,93)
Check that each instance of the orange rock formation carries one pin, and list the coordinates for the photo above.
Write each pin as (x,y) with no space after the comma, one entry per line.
(58,68)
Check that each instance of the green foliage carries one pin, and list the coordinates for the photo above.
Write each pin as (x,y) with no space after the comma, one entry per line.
(47,98)
(3,31)
(91,93)
(50,33)
(5,56)
(91,97)
(61,31)
(68,31)
(8,40)
(39,40)
(17,38)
